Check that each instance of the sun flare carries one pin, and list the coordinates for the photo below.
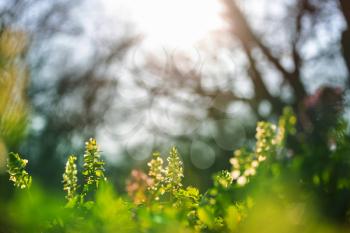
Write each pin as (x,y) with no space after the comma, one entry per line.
(177,23)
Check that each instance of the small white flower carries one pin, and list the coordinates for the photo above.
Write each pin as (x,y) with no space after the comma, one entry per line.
(255,164)
(235,174)
(234,161)
(249,172)
(242,180)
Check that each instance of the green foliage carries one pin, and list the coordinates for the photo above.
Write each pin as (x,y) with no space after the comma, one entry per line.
(16,169)
(111,212)
(261,193)
(286,125)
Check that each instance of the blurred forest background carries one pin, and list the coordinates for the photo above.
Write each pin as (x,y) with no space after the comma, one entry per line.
(68,72)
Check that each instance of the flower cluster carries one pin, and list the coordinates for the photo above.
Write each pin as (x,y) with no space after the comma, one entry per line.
(174,171)
(223,179)
(269,138)
(160,180)
(137,186)
(16,169)
(156,172)
(160,196)
(286,125)
(93,165)
(244,165)
(70,179)
(265,139)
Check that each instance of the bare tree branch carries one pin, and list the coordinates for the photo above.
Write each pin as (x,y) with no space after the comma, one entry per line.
(246,35)
(260,88)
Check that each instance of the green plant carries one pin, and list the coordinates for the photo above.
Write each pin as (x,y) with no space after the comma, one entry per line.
(241,199)
(16,169)
(156,173)
(93,167)
(70,179)
(173,172)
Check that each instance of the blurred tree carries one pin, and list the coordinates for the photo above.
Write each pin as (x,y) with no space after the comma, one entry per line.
(282,57)
(345,7)
(71,85)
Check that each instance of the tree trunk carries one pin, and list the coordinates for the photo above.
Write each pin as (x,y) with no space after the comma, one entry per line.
(345,7)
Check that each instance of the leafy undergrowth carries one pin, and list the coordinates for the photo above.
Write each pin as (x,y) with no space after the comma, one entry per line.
(263,192)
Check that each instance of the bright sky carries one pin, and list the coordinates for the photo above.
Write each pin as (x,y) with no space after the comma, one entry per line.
(175,23)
